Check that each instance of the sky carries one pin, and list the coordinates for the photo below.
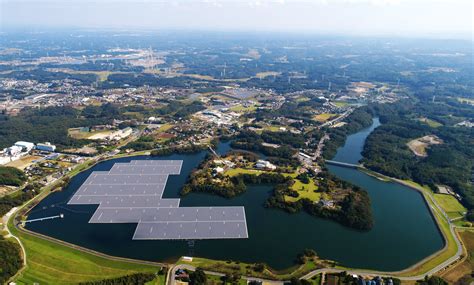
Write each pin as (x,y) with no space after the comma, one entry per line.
(443,18)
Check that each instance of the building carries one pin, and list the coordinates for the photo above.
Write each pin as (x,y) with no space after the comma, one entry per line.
(264,164)
(13,150)
(46,147)
(25,146)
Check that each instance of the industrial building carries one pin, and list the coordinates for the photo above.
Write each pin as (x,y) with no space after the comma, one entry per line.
(26,146)
(46,147)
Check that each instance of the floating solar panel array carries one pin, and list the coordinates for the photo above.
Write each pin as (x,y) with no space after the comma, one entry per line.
(132,193)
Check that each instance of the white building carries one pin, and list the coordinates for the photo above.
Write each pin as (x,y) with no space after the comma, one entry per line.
(26,146)
(13,150)
(263,164)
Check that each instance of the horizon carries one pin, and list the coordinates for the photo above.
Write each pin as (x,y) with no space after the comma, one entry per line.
(399,18)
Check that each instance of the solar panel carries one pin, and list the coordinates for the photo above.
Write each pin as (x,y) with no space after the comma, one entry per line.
(132,193)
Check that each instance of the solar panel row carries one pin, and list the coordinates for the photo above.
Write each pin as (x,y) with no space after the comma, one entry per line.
(132,193)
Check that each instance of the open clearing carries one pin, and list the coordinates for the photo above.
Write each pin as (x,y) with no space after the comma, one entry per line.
(450,205)
(467,266)
(418,146)
(323,117)
(304,191)
(23,162)
(429,122)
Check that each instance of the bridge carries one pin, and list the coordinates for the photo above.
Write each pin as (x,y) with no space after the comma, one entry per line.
(60,216)
(344,164)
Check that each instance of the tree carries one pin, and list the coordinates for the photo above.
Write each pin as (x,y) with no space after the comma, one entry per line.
(198,277)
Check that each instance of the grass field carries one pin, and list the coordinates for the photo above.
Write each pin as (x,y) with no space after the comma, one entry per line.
(242,109)
(304,191)
(430,122)
(450,205)
(77,134)
(467,266)
(274,128)
(51,263)
(340,104)
(237,171)
(323,117)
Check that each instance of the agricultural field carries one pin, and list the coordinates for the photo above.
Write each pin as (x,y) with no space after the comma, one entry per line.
(464,269)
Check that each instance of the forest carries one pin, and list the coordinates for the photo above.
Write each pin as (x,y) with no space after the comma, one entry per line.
(450,163)
(10,259)
(11,176)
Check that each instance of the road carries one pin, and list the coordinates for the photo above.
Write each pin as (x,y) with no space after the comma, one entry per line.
(171,275)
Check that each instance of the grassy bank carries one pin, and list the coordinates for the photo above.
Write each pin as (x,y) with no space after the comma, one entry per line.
(52,263)
(248,269)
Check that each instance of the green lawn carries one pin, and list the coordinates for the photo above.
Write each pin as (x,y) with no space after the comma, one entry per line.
(431,123)
(242,109)
(340,103)
(450,205)
(304,191)
(238,171)
(52,263)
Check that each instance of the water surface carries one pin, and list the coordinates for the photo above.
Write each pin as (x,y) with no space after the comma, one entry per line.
(404,231)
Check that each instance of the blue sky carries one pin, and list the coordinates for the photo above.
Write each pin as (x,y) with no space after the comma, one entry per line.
(445,18)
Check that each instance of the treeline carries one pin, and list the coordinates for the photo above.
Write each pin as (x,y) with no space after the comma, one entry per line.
(450,163)
(11,176)
(52,123)
(189,148)
(137,278)
(10,259)
(282,156)
(10,201)
(236,186)
(359,119)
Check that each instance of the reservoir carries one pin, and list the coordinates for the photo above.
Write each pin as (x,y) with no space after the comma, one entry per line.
(404,231)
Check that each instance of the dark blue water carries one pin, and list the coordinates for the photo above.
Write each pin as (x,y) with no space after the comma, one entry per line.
(404,231)
(351,152)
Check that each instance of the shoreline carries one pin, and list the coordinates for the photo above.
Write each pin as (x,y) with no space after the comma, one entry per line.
(89,164)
